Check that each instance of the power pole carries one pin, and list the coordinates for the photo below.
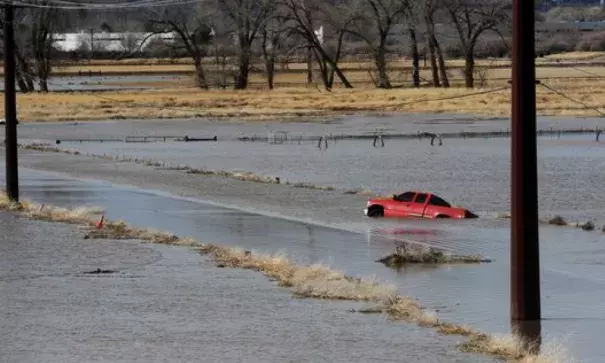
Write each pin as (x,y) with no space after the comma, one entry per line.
(525,252)
(10,106)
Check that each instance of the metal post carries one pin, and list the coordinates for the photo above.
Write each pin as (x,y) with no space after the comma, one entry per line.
(525,261)
(10,106)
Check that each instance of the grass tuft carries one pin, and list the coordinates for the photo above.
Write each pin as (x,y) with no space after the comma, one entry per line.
(557,221)
(506,346)
(411,254)
(453,329)
(314,281)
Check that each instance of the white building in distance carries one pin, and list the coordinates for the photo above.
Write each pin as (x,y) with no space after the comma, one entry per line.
(110,42)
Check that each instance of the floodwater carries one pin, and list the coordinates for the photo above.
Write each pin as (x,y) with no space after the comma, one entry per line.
(101,83)
(168,304)
(572,268)
(473,173)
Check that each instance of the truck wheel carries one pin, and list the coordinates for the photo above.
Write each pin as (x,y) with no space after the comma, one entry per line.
(376,211)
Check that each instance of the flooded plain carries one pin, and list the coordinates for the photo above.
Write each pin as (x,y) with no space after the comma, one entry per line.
(473,173)
(572,269)
(169,304)
(96,82)
(469,172)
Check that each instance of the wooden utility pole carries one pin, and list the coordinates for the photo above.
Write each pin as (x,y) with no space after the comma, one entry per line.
(525,251)
(10,105)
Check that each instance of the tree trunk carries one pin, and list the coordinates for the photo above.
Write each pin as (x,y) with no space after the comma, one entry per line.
(244,69)
(469,68)
(42,75)
(323,69)
(21,82)
(29,80)
(24,78)
(434,69)
(340,75)
(43,83)
(415,58)
(309,65)
(381,66)
(200,77)
(270,73)
(442,68)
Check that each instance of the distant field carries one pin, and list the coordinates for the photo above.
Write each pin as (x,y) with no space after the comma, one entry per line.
(185,65)
(294,98)
(295,103)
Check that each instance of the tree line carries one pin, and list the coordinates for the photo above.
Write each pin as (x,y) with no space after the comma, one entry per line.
(241,34)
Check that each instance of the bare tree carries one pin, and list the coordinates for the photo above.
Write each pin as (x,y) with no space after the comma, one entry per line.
(306,17)
(34,45)
(374,24)
(131,43)
(274,34)
(193,33)
(246,19)
(472,18)
(42,30)
(413,15)
(430,10)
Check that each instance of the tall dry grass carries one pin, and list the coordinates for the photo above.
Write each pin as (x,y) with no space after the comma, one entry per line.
(408,253)
(296,102)
(315,281)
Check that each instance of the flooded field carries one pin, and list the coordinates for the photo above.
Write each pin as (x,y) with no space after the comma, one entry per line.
(166,303)
(96,82)
(469,172)
(473,173)
(572,271)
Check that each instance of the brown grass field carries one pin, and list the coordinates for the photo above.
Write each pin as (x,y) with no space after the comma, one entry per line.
(293,99)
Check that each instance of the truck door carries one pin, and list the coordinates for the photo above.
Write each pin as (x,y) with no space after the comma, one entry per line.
(403,205)
(418,206)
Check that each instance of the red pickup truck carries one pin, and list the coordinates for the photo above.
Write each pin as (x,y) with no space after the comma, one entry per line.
(415,204)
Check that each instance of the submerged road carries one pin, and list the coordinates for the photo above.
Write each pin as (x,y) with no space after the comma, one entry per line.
(572,263)
(162,303)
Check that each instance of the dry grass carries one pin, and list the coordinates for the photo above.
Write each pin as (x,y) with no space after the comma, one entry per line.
(88,218)
(313,281)
(415,254)
(453,329)
(557,221)
(285,104)
(509,346)
(574,56)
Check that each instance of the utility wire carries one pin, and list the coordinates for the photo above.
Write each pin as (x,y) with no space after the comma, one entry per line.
(456,97)
(586,72)
(571,99)
(105,6)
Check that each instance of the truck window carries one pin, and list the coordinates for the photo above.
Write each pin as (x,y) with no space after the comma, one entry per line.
(435,200)
(406,197)
(421,198)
